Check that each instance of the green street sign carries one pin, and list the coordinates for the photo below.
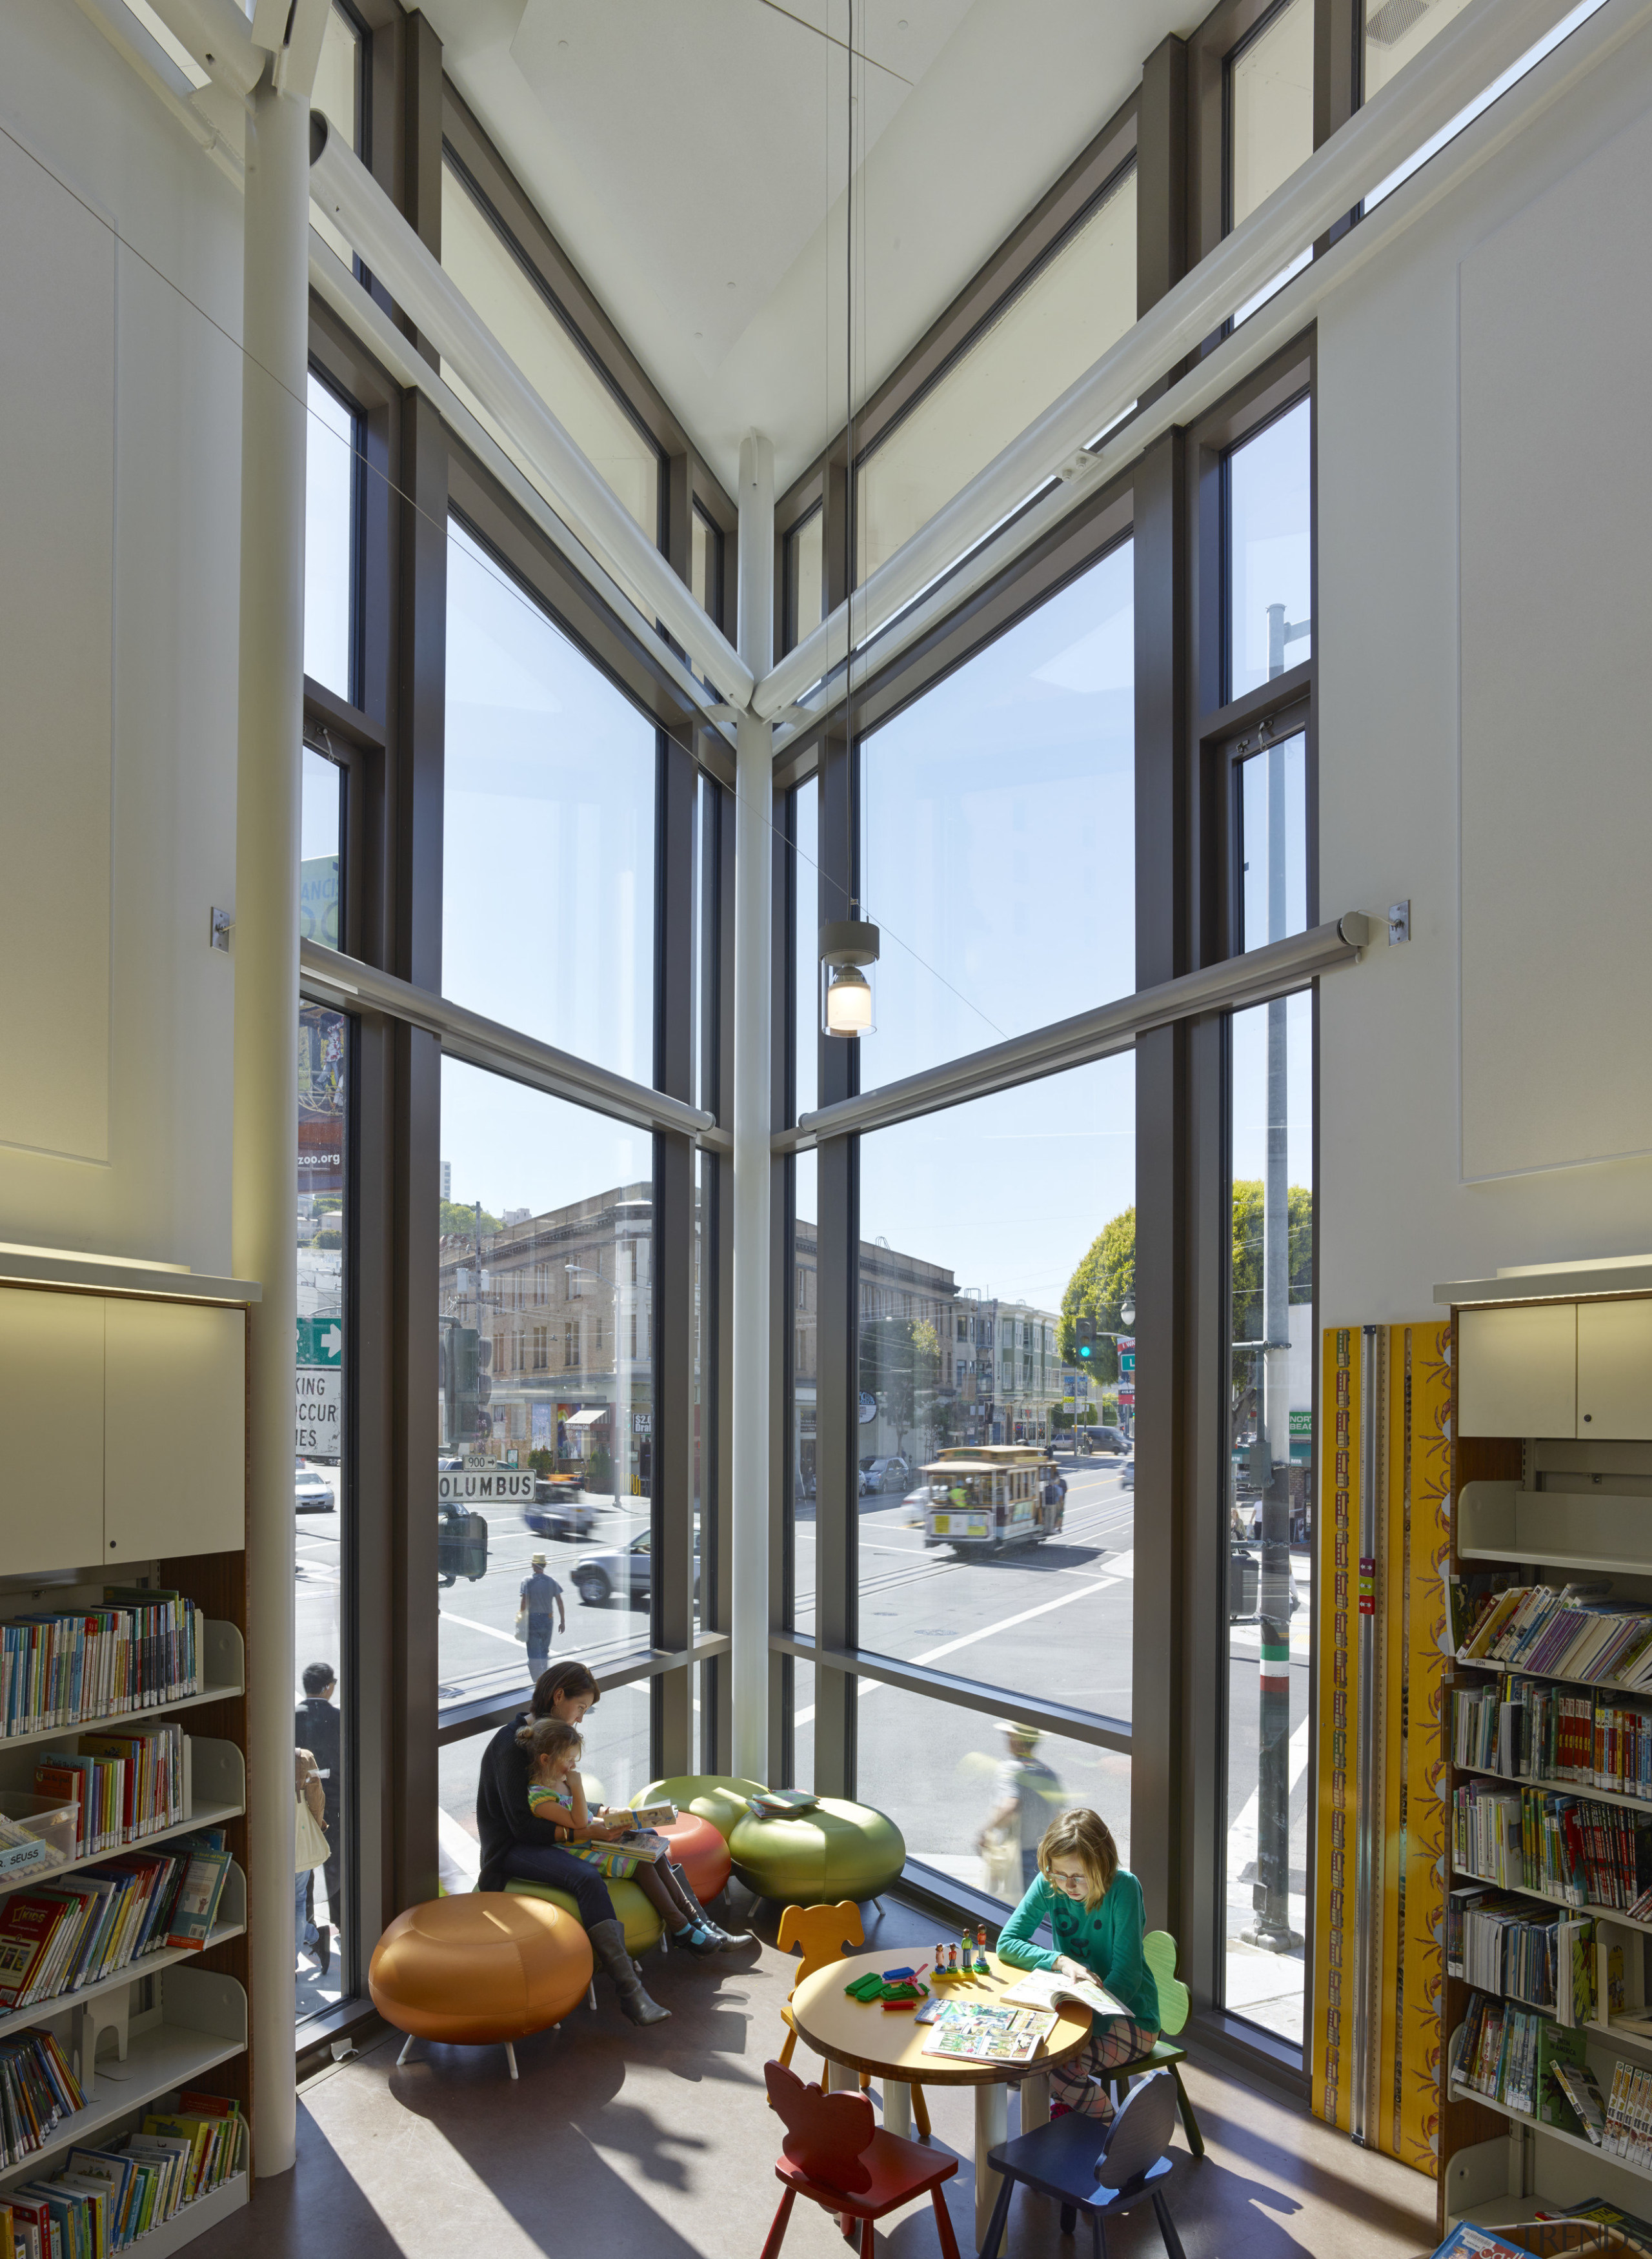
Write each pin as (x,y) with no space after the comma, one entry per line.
(1127,1360)
(1302,1422)
(320,1341)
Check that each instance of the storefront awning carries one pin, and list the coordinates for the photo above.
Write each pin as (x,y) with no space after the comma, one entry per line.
(589,1418)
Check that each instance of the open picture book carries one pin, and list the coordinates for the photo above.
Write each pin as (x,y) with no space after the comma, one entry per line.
(1043,1988)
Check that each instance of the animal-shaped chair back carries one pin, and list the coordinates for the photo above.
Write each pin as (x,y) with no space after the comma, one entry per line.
(824,1931)
(1158,1951)
(826,2135)
(1141,2133)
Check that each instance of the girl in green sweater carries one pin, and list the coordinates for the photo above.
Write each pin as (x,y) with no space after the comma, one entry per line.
(1094,1909)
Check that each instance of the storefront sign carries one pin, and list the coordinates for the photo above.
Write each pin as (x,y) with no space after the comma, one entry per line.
(493,1486)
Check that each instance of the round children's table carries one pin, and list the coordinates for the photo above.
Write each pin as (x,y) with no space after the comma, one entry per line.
(853,2037)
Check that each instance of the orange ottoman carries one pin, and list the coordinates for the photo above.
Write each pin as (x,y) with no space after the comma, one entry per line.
(482,1970)
(701,1852)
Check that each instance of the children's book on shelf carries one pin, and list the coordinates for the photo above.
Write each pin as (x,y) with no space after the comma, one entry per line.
(140,1649)
(201,1889)
(1043,1988)
(1583,2097)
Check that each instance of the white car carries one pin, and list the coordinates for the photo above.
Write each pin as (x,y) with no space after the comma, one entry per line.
(312,1492)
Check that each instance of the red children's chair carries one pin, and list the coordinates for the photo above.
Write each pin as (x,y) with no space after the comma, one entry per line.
(836,2153)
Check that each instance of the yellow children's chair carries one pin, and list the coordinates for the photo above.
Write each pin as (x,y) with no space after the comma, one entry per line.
(826,1934)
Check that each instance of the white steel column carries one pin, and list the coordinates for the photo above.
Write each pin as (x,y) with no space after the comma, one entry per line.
(274,329)
(753,852)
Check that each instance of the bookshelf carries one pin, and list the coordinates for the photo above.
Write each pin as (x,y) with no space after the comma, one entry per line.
(1571,1506)
(168,1517)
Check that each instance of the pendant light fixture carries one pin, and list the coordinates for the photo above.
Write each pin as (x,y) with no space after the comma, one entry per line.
(848,946)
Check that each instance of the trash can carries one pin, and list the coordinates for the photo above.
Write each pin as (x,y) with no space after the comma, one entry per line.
(1243,1573)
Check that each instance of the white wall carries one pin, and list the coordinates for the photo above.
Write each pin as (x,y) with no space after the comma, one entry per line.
(1530,992)
(119,480)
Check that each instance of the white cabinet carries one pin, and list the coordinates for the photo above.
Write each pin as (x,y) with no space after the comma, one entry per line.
(1517,1370)
(174,1430)
(1614,1370)
(52,1423)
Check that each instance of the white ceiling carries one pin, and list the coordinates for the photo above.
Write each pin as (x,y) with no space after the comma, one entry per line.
(691,156)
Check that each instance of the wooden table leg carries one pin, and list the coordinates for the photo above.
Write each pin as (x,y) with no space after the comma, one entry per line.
(897,2107)
(1035,2102)
(992,2127)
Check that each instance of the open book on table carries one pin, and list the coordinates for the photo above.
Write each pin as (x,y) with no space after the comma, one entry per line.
(1043,1988)
(968,2031)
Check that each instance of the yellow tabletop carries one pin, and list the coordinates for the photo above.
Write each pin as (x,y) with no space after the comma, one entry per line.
(873,2039)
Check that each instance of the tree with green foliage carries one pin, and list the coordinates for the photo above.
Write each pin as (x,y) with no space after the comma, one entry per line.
(900,1366)
(1107,1273)
(460,1221)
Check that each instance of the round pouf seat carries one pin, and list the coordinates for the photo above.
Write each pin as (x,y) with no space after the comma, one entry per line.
(838,1850)
(701,1852)
(718,1797)
(478,1970)
(637,1918)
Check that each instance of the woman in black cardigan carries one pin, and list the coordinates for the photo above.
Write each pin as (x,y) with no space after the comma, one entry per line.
(517,1844)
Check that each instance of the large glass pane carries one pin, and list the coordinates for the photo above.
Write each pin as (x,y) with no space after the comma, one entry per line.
(548,841)
(615,1766)
(807,571)
(951,1777)
(1270,551)
(1270,111)
(989,1546)
(329,542)
(1396,30)
(521,317)
(998,836)
(322,1496)
(1273,842)
(321,837)
(805,1321)
(1268,1511)
(338,95)
(806,832)
(1051,332)
(546,1315)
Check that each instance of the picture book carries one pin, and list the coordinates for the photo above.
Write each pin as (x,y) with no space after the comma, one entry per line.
(1576,2083)
(965,2031)
(1043,1988)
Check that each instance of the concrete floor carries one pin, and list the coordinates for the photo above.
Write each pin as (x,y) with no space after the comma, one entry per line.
(659,2142)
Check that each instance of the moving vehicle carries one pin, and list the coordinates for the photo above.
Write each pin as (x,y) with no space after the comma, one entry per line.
(629,1572)
(558,1510)
(985,1496)
(1111,1440)
(1126,1475)
(312,1492)
(880,1475)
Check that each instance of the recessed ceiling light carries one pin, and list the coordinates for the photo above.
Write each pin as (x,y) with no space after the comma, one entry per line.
(562,43)
(733,285)
(901,25)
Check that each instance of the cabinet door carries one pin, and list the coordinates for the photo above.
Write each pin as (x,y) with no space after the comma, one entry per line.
(52,1418)
(174,1430)
(1517,1370)
(1614,1370)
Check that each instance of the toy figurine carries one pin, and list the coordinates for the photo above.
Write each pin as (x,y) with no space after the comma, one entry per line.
(980,1950)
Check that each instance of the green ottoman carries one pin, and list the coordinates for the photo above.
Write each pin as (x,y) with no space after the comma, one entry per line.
(637,1917)
(836,1851)
(717,1797)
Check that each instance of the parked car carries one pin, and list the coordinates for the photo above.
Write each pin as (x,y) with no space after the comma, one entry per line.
(629,1572)
(312,1492)
(883,1474)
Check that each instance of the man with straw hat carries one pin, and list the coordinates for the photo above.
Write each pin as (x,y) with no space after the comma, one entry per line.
(539,1593)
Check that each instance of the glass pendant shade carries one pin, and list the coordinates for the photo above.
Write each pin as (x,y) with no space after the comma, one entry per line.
(848,1002)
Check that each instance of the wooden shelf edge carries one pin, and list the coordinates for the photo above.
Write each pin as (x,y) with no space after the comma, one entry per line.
(1524,1670)
(1462,2093)
(211,1815)
(121,1720)
(195,2218)
(1548,1898)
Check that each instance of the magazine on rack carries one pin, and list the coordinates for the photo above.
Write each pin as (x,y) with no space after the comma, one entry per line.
(970,2032)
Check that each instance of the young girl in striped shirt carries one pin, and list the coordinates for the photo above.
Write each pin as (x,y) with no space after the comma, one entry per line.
(555,1792)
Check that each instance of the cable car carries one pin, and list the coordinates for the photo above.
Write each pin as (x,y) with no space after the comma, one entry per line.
(985,1496)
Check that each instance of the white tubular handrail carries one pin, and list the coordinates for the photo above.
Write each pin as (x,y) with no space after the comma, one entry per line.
(1457,64)
(219,37)
(341,184)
